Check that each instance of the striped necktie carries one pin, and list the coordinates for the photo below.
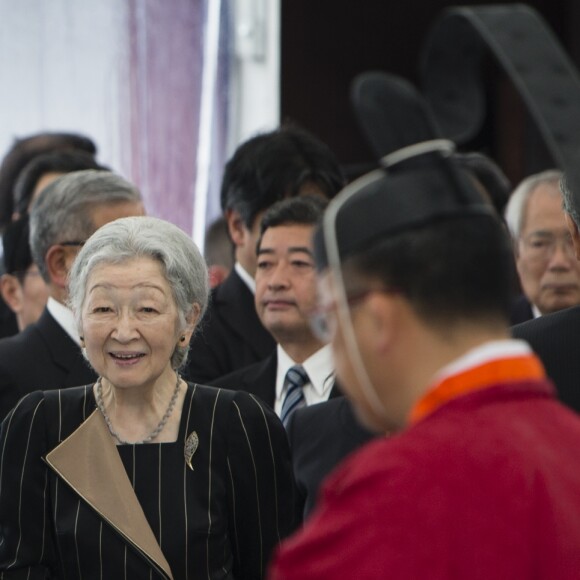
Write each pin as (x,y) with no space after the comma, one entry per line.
(295,379)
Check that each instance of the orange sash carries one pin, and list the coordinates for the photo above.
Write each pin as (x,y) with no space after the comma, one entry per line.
(524,367)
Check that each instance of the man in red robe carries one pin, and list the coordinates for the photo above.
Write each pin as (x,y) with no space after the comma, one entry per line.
(482,478)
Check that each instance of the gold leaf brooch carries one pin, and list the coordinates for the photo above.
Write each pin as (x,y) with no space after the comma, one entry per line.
(191,444)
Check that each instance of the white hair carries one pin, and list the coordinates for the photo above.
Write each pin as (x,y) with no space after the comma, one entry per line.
(516,208)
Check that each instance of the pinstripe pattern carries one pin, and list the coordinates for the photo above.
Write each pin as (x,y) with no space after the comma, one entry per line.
(273,458)
(256,482)
(21,491)
(209,470)
(219,520)
(77,539)
(186,523)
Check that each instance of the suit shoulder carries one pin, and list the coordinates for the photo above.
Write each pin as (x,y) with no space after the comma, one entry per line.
(211,392)
(19,343)
(314,414)
(246,403)
(70,396)
(24,410)
(238,377)
(550,325)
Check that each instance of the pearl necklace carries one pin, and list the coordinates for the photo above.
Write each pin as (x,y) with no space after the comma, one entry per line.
(154,433)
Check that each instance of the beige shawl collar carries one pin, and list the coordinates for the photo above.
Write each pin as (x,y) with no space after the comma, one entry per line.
(89,463)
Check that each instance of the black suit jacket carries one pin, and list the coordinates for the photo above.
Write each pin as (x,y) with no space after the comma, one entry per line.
(556,340)
(231,335)
(258,379)
(42,356)
(321,436)
(521,310)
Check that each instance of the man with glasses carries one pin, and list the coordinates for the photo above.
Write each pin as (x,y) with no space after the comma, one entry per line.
(548,272)
(481,478)
(47,354)
(554,337)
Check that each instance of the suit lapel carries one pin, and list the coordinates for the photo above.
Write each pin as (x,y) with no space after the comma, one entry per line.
(89,463)
(237,308)
(65,353)
(261,380)
(335,391)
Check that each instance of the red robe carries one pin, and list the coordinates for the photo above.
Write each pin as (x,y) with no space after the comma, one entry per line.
(483,485)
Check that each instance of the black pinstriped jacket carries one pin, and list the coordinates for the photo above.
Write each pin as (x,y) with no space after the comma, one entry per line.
(74,505)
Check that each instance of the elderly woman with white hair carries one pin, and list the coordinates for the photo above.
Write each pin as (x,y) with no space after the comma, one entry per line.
(141,475)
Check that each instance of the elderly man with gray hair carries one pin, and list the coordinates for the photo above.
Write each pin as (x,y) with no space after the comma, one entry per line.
(47,354)
(548,272)
(555,337)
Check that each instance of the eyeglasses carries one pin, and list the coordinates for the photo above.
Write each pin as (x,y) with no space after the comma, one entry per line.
(323,325)
(541,246)
(72,243)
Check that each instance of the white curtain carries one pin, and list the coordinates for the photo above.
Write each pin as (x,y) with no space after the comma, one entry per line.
(129,74)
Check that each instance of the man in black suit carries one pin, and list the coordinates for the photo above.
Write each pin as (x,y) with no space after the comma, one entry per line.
(554,337)
(285,298)
(284,163)
(47,354)
(548,272)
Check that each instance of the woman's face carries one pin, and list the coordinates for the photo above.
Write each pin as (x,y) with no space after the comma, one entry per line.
(130,323)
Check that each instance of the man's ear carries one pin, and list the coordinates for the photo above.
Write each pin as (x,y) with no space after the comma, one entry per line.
(573,228)
(11,292)
(236,227)
(191,323)
(57,262)
(382,320)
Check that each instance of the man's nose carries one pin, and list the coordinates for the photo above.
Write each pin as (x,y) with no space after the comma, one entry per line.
(279,277)
(562,253)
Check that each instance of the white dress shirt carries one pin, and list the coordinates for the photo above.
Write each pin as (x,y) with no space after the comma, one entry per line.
(64,317)
(246,278)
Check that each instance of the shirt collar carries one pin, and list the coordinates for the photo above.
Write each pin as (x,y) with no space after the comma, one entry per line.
(319,367)
(491,363)
(64,318)
(246,278)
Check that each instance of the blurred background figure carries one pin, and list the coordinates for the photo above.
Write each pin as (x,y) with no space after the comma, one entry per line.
(43,170)
(23,151)
(548,271)
(22,286)
(218,252)
(47,353)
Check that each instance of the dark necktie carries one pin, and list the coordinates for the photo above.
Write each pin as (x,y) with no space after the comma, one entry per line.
(296,378)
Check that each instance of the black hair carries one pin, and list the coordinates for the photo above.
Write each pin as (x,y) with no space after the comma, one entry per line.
(276,165)
(303,210)
(17,254)
(25,149)
(451,271)
(63,161)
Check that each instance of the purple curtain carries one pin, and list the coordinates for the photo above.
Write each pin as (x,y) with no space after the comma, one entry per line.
(165,84)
